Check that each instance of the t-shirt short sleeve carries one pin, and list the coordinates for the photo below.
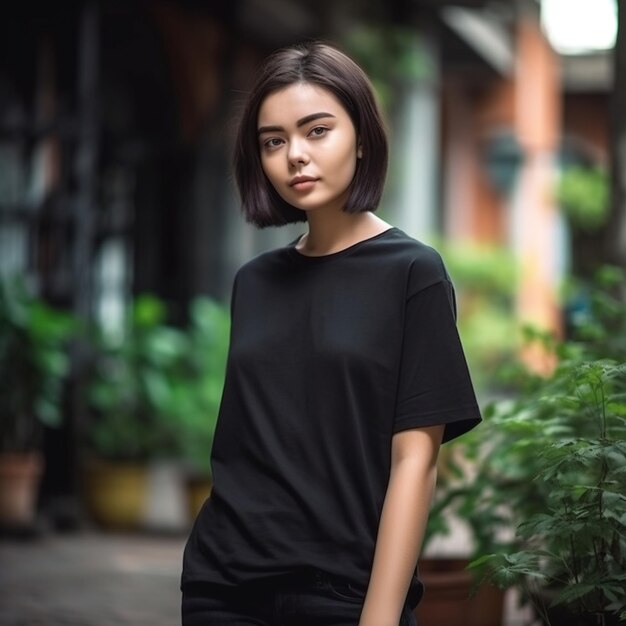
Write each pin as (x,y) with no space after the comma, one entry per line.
(434,385)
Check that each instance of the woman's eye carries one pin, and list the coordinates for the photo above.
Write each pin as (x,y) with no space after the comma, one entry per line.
(272,143)
(318,131)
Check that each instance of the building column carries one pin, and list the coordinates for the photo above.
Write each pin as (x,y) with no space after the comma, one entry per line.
(415,153)
(535,216)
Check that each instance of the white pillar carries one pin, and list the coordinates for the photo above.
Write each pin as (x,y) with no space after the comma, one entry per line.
(415,148)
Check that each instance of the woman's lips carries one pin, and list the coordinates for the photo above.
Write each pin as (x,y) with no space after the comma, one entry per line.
(303,182)
(304,185)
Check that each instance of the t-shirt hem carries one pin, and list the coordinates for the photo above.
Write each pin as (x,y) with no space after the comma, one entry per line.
(187,581)
(190,579)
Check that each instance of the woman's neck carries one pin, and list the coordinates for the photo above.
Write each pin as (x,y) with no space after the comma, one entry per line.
(332,233)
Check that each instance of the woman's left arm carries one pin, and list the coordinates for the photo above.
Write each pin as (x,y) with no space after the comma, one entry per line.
(402,523)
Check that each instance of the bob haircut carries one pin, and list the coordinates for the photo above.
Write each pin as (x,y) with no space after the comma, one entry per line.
(323,65)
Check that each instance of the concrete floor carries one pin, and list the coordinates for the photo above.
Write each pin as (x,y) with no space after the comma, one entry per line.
(89,579)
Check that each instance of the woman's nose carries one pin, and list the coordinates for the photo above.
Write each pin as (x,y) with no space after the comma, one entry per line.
(297,153)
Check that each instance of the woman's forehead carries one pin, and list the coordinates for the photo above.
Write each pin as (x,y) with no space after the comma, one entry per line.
(296,101)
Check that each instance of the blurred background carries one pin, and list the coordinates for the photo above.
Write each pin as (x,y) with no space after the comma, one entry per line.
(120,235)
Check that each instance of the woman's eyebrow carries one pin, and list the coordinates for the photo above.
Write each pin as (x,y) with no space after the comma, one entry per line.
(301,122)
(310,118)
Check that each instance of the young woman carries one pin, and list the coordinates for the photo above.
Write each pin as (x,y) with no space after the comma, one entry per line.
(345,374)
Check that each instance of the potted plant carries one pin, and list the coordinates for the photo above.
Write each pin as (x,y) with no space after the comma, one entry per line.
(130,396)
(33,365)
(572,550)
(490,479)
(197,394)
(554,472)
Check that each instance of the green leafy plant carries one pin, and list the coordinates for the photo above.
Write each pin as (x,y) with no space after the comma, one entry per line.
(132,386)
(33,364)
(198,387)
(598,324)
(484,278)
(156,390)
(575,544)
(553,470)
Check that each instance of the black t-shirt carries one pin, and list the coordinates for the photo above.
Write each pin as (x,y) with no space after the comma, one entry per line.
(329,357)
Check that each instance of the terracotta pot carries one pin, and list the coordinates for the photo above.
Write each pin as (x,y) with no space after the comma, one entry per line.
(20,475)
(198,490)
(116,493)
(448,601)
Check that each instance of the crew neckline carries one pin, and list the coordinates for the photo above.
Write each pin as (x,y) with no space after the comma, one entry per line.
(333,255)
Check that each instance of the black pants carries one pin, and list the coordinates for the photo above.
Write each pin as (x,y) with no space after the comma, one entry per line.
(313,599)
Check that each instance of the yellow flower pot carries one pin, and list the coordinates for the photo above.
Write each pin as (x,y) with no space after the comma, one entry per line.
(116,493)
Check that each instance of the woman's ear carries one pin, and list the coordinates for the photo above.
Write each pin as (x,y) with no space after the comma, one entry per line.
(359,152)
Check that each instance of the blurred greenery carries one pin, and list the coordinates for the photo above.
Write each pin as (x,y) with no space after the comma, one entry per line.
(390,56)
(567,499)
(583,194)
(34,362)
(130,385)
(155,392)
(485,279)
(599,320)
(199,389)
(545,496)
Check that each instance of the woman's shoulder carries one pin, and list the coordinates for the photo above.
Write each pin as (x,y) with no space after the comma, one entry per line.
(263,262)
(425,263)
(416,250)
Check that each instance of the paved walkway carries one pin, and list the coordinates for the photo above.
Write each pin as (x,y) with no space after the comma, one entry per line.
(90,579)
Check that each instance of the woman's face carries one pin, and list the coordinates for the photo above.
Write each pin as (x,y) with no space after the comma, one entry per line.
(308,146)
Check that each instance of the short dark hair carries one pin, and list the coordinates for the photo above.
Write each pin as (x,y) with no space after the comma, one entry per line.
(324,65)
